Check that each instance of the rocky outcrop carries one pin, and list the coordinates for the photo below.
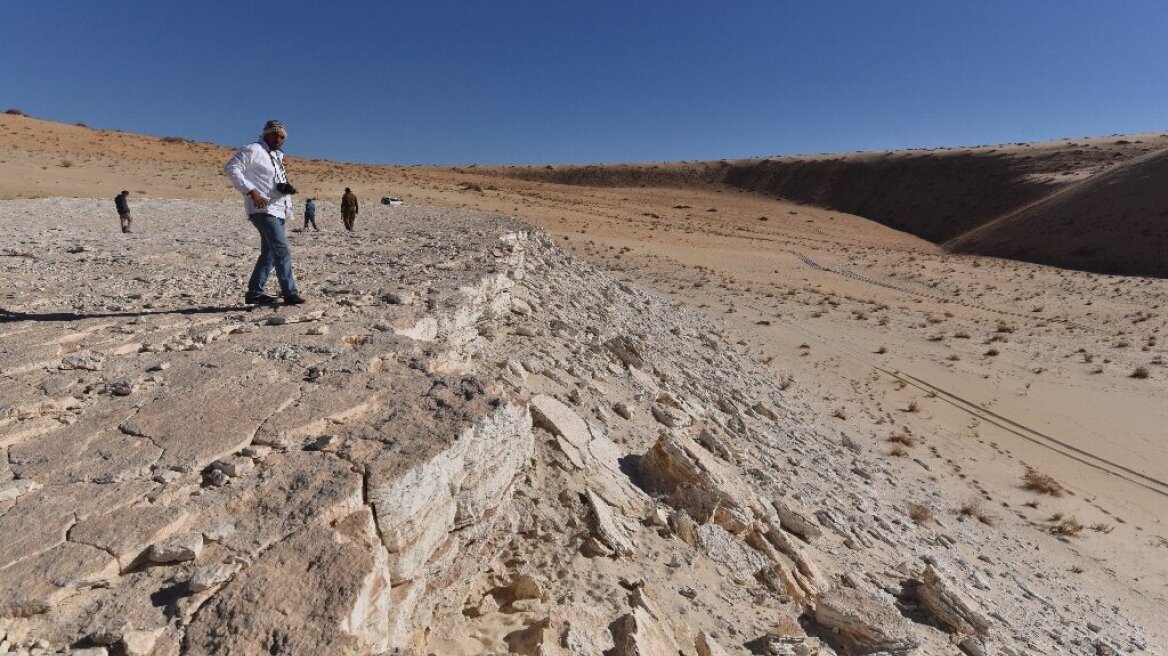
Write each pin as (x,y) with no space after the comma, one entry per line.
(949,605)
(469,443)
(863,624)
(258,486)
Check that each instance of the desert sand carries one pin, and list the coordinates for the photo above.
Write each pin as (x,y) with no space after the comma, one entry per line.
(842,294)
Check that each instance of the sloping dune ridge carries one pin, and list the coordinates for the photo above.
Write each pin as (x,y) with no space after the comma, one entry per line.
(1008,201)
(763,407)
(1115,221)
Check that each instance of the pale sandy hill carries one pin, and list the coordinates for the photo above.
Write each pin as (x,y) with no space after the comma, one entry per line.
(942,194)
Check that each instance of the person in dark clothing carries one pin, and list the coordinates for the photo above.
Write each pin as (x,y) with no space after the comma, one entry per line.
(349,208)
(310,214)
(123,209)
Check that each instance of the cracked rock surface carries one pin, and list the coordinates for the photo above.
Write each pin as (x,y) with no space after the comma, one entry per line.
(228,480)
(467,442)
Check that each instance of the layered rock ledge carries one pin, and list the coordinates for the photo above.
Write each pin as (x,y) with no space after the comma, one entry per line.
(467,442)
(183,472)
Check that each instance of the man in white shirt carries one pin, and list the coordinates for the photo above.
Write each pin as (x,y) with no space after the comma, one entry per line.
(257,171)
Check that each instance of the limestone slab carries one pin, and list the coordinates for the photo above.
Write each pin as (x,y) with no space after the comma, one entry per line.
(234,400)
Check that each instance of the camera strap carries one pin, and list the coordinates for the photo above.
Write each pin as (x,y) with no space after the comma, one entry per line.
(278,166)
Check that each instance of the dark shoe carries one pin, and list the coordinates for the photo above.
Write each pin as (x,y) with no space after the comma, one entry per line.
(262,299)
(294,299)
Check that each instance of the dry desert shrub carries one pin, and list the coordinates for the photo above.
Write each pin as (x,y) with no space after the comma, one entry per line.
(1140,372)
(1067,526)
(470,186)
(899,452)
(1039,482)
(1101,527)
(66,163)
(15,112)
(974,509)
(919,513)
(903,438)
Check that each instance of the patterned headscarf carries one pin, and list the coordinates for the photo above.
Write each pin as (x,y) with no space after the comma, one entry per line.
(275,126)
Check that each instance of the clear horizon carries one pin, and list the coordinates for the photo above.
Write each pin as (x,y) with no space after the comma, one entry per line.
(518,82)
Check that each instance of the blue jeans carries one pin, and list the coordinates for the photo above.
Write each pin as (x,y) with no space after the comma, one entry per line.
(274,252)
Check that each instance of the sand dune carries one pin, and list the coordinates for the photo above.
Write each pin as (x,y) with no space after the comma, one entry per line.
(1111,222)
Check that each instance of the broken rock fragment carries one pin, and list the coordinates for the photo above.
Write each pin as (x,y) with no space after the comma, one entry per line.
(607,529)
(950,605)
(707,646)
(670,416)
(740,560)
(13,489)
(693,478)
(863,624)
(140,642)
(177,549)
(626,351)
(210,576)
(795,520)
(643,631)
(571,432)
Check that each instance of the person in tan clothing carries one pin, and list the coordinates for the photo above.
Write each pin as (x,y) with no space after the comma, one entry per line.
(349,208)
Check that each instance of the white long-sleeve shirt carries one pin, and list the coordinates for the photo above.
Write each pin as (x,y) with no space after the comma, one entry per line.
(255,166)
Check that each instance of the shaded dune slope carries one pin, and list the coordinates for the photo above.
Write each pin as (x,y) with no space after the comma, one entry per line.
(931,196)
(1112,222)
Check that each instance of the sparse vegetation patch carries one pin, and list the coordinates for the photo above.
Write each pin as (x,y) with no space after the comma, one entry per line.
(919,513)
(1038,482)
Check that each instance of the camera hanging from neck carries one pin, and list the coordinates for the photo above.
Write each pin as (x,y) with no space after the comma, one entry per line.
(282,184)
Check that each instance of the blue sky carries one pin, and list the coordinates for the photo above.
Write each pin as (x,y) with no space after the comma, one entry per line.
(519,81)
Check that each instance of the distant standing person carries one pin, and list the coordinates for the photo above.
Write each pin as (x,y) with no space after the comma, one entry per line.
(310,214)
(349,208)
(123,206)
(257,171)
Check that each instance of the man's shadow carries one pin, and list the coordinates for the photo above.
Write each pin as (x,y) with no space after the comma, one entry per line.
(7,316)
